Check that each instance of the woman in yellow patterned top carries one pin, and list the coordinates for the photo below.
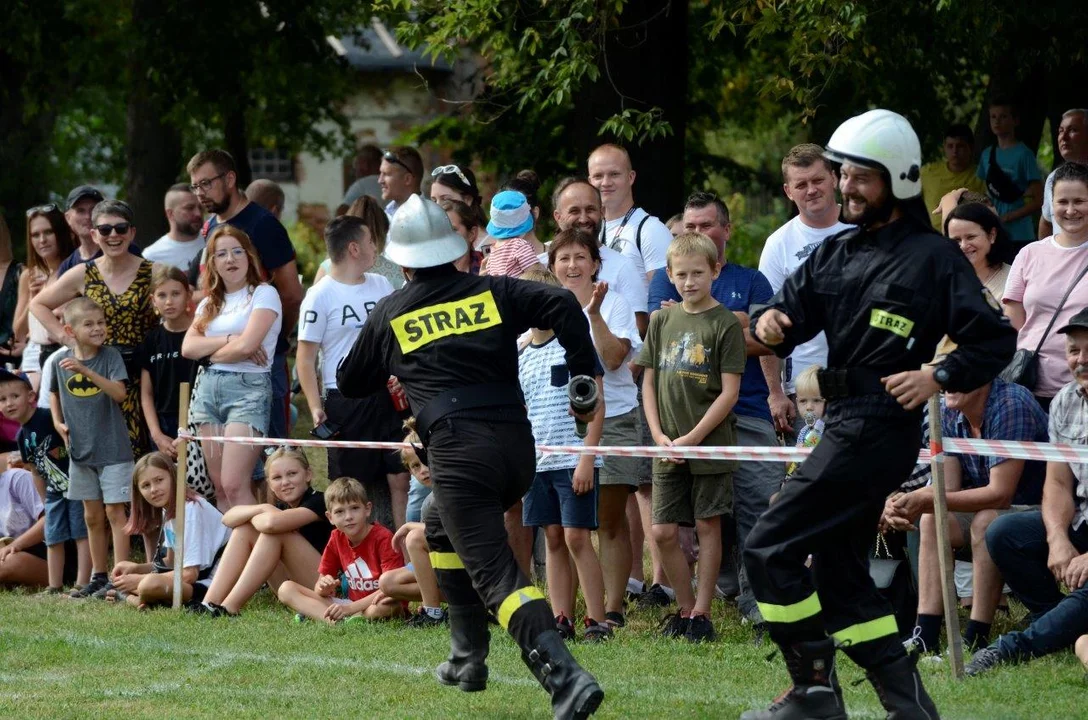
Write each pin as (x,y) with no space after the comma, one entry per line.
(120,283)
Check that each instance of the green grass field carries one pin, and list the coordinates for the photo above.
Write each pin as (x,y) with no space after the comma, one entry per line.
(68,659)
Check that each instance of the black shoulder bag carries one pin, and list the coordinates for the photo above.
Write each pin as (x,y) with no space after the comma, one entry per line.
(1024,367)
(998,183)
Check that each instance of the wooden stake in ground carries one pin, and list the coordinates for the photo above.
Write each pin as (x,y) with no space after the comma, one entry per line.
(181,484)
(944,547)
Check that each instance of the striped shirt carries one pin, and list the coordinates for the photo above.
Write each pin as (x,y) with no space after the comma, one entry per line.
(511,257)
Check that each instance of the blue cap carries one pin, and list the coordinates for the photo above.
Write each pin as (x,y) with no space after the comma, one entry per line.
(7,376)
(510,215)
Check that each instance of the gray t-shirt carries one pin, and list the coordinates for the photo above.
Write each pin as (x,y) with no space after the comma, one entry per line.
(97,434)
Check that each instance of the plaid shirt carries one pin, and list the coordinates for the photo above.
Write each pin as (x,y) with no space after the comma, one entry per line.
(1011,413)
(1069,426)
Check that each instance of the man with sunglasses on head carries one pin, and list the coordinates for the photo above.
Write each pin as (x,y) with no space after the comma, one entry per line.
(399,176)
(215,184)
(77,211)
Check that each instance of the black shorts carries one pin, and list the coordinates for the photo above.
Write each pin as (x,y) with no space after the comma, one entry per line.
(199,591)
(37,551)
(369,418)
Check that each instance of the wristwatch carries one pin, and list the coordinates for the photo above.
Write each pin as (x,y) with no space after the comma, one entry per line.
(941,375)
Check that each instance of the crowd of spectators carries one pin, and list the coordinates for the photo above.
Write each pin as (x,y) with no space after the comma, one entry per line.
(98,330)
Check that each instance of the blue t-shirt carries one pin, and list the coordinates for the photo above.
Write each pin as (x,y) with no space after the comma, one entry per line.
(737,288)
(269,238)
(268,234)
(1020,165)
(1011,413)
(76,259)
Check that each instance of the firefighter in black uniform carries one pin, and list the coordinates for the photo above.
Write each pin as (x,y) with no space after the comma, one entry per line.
(451,340)
(885,293)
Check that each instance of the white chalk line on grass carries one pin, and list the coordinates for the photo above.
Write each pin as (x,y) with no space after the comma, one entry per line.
(616,686)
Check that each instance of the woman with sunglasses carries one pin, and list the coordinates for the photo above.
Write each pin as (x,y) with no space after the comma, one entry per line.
(120,283)
(48,241)
(454,182)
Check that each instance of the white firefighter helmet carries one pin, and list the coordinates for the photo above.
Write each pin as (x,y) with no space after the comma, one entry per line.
(881,140)
(421,236)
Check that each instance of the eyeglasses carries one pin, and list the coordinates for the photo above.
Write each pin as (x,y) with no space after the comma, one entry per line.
(205,185)
(51,207)
(451,169)
(232,252)
(391,157)
(107,230)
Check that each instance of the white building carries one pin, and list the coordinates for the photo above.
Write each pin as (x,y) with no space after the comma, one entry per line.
(397,90)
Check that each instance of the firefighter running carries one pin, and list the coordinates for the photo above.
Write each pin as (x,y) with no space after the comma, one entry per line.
(885,293)
(451,340)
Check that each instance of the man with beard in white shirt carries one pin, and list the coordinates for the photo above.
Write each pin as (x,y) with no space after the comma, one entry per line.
(577,204)
(184,242)
(809,182)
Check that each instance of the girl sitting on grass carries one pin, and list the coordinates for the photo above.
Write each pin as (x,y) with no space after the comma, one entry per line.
(271,543)
(153,506)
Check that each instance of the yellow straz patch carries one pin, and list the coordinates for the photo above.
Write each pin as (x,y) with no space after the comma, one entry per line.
(891,322)
(434,322)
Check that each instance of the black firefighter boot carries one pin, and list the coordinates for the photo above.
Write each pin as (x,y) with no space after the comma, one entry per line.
(575,693)
(899,687)
(815,694)
(469,640)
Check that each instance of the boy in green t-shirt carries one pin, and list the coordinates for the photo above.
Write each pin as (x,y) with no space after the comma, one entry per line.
(694,356)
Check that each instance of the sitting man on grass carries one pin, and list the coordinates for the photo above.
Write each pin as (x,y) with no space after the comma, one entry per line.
(978,490)
(1038,551)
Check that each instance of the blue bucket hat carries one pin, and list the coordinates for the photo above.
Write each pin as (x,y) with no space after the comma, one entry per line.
(510,215)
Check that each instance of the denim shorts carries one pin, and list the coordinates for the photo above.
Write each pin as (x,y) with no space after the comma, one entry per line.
(63,519)
(225,397)
(551,501)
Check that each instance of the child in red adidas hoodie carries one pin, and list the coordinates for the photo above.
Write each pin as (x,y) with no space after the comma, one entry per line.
(358,549)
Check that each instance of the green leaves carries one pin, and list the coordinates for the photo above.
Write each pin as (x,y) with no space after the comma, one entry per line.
(534,55)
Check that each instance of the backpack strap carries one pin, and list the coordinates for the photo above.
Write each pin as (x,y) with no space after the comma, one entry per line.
(638,233)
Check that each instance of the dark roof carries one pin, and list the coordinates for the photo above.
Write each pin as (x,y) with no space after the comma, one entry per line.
(370,53)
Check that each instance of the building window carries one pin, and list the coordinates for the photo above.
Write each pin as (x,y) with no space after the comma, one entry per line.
(277,165)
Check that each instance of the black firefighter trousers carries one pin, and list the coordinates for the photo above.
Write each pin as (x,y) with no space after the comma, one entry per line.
(830,509)
(479,469)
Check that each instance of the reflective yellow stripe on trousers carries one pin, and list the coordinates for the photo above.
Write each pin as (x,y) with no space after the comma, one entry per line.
(790,613)
(863,632)
(446,561)
(515,600)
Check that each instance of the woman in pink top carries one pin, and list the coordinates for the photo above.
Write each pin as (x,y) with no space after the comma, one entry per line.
(1041,274)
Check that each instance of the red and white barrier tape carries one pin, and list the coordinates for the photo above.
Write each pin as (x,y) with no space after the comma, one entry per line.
(955,446)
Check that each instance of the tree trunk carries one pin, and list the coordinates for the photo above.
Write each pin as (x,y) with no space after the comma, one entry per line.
(238,143)
(153,145)
(24,156)
(154,163)
(645,64)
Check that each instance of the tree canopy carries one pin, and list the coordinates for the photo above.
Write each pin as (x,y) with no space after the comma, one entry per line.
(705,93)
